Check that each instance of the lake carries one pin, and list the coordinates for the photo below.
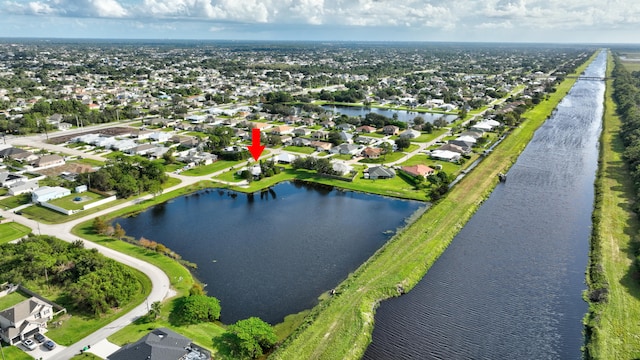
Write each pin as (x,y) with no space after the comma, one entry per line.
(272,253)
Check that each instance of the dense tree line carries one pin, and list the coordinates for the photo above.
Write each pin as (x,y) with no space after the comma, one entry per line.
(626,93)
(321,165)
(91,282)
(127,176)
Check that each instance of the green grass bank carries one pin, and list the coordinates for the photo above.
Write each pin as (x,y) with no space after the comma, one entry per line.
(613,327)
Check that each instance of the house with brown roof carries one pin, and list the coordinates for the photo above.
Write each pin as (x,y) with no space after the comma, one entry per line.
(47,161)
(391,130)
(366,129)
(282,130)
(321,145)
(372,153)
(418,170)
(24,319)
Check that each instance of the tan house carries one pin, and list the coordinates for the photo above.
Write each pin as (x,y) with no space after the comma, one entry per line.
(24,319)
(391,130)
(418,170)
(48,161)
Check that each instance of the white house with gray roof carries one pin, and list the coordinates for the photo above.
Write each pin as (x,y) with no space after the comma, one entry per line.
(24,319)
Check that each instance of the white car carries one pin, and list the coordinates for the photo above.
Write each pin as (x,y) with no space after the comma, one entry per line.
(29,344)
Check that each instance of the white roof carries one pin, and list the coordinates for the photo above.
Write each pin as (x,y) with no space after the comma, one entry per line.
(286,157)
(467,138)
(444,154)
(482,126)
(46,190)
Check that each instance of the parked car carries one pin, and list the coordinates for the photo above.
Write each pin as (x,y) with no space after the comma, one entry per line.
(29,344)
(50,344)
(39,337)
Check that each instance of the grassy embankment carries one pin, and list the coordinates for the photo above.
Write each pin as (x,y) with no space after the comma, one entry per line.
(615,324)
(11,230)
(340,327)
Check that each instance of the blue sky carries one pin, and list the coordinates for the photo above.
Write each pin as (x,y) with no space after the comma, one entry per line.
(591,21)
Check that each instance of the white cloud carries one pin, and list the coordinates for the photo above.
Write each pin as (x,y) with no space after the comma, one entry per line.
(108,8)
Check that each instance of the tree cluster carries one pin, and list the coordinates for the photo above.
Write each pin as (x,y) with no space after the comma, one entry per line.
(248,338)
(127,176)
(439,185)
(321,165)
(91,282)
(195,309)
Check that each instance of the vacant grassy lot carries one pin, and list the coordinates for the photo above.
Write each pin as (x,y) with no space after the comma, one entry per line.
(211,168)
(11,230)
(616,322)
(300,149)
(340,327)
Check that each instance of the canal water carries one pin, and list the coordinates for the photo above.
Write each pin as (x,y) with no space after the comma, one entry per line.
(272,253)
(510,284)
(403,115)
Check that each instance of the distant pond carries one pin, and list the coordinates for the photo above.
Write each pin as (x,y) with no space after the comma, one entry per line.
(403,115)
(272,253)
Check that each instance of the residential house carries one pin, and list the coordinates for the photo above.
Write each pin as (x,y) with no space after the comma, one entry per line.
(390,130)
(379,172)
(445,155)
(161,344)
(410,134)
(346,137)
(301,131)
(282,130)
(8,179)
(23,187)
(345,127)
(328,124)
(17,154)
(341,168)
(160,136)
(319,134)
(286,158)
(474,133)
(346,149)
(418,170)
(454,148)
(142,150)
(366,129)
(47,161)
(301,142)
(24,319)
(46,193)
(321,145)
(466,146)
(286,140)
(372,153)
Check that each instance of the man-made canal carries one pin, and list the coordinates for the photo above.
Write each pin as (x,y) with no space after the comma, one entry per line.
(272,253)
(510,284)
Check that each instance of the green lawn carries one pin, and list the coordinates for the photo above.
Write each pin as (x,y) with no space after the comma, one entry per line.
(15,201)
(12,299)
(86,356)
(424,137)
(211,168)
(14,353)
(68,202)
(300,149)
(11,230)
(616,323)
(342,157)
(394,156)
(3,191)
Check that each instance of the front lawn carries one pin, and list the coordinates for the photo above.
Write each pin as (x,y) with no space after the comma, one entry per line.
(15,201)
(10,231)
(300,149)
(430,137)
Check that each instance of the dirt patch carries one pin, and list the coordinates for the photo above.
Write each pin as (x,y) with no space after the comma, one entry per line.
(74,168)
(113,131)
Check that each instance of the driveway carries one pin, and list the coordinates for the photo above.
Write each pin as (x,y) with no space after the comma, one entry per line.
(41,352)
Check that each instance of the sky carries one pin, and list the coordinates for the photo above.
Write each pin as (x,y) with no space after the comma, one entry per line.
(547,21)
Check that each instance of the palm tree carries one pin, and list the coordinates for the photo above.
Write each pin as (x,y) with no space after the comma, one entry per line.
(155,310)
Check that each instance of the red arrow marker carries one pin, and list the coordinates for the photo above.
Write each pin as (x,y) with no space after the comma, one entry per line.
(255,149)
